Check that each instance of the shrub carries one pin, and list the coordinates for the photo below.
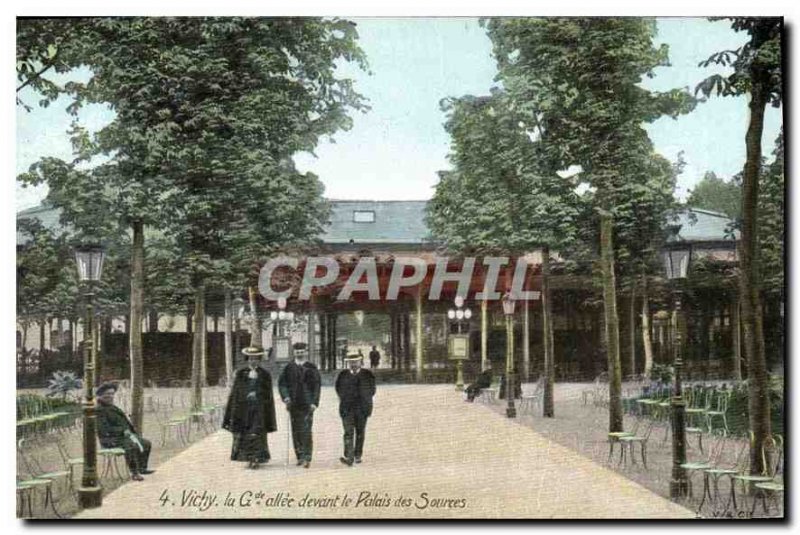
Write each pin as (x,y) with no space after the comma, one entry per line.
(62,384)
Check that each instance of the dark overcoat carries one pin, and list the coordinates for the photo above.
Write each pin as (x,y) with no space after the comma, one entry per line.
(236,412)
(301,384)
(355,391)
(111,425)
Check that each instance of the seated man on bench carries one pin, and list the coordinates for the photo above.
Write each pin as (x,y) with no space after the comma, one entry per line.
(484,380)
(115,430)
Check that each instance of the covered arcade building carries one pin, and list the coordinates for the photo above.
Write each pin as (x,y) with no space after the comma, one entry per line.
(411,332)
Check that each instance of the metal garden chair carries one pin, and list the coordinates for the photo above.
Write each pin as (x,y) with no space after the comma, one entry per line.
(770,458)
(36,478)
(634,439)
(720,410)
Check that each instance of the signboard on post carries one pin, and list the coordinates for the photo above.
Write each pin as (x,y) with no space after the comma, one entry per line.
(458,347)
(283,348)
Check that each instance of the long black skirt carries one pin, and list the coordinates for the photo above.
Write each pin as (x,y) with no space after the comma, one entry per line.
(251,445)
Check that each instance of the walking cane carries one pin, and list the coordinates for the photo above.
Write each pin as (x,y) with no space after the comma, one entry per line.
(288,437)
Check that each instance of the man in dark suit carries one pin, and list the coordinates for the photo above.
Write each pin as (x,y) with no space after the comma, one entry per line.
(355,388)
(299,386)
(115,430)
(374,357)
(484,380)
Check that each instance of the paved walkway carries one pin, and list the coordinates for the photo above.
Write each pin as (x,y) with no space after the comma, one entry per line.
(428,455)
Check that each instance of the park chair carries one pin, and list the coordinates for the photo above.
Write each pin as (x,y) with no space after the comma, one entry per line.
(529,401)
(70,462)
(631,441)
(37,478)
(771,456)
(720,410)
(24,497)
(201,420)
(700,405)
(169,424)
(632,392)
(648,406)
(724,468)
(771,489)
(111,458)
(709,462)
(592,391)
(490,395)
(614,438)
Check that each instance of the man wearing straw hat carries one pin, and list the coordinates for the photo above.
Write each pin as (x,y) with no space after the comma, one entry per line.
(250,413)
(299,386)
(355,387)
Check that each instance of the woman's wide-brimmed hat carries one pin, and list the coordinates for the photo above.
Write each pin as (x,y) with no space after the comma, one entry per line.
(253,352)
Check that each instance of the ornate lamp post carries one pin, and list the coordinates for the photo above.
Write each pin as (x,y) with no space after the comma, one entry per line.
(89,260)
(677,256)
(238,312)
(282,342)
(508,310)
(459,342)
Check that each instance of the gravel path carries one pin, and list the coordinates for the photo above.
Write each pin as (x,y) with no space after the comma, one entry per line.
(428,455)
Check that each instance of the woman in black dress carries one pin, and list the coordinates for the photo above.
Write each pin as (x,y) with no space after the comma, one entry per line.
(250,413)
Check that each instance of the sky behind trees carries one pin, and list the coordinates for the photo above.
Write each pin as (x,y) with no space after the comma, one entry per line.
(395,150)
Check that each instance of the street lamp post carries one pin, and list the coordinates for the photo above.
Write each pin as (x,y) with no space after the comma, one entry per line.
(238,312)
(282,343)
(508,310)
(458,316)
(89,260)
(677,257)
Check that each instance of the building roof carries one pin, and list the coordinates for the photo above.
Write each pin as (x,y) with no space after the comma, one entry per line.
(397,222)
(47,215)
(699,225)
(403,222)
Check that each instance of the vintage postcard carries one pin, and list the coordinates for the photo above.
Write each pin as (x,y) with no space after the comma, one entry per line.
(400,268)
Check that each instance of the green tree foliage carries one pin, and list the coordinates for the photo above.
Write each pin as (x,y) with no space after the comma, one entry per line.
(497,199)
(771,228)
(208,110)
(577,80)
(719,195)
(756,72)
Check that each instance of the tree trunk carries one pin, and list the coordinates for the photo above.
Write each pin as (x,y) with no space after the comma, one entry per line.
(736,338)
(42,330)
(152,321)
(648,344)
(750,279)
(71,337)
(197,348)
(255,320)
(612,324)
(632,332)
(548,405)
(135,326)
(204,346)
(228,339)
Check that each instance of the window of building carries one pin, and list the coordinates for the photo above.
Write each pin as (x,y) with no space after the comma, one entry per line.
(363,216)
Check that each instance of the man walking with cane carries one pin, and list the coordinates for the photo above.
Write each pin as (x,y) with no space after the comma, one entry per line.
(355,388)
(299,385)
